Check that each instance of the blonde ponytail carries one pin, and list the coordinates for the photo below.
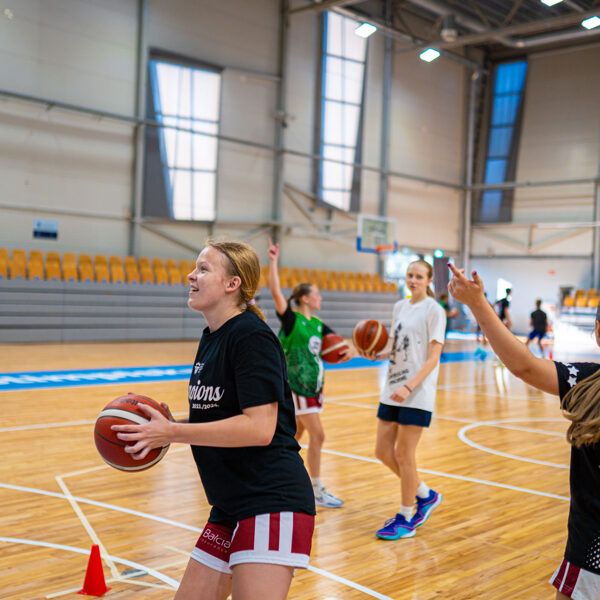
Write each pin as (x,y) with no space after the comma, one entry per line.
(581,406)
(243,262)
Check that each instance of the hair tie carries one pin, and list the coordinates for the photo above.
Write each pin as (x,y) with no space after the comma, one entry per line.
(251,302)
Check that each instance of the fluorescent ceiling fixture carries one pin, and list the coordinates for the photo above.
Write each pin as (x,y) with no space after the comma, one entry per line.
(429,54)
(591,22)
(551,2)
(365,30)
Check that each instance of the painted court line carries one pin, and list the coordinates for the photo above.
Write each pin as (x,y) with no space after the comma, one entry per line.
(128,563)
(156,574)
(500,423)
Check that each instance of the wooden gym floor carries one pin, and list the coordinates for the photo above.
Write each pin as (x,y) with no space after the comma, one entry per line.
(495,450)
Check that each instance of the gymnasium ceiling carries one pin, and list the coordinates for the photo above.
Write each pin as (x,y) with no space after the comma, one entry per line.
(501,28)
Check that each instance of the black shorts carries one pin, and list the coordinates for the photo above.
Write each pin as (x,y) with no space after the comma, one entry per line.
(404,415)
(537,334)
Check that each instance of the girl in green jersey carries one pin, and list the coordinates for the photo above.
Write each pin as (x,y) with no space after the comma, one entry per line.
(301,336)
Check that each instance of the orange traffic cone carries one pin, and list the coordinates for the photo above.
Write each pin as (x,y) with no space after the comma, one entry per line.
(94,584)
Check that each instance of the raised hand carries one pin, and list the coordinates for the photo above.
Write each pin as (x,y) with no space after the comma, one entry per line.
(465,290)
(273,251)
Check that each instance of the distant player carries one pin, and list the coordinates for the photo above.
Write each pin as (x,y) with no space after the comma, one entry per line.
(539,324)
(502,307)
(301,336)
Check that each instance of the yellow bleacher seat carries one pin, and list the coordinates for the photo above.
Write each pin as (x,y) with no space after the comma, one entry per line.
(4,255)
(580,301)
(69,259)
(593,302)
(132,274)
(113,259)
(35,270)
(144,261)
(130,261)
(86,273)
(117,275)
(569,301)
(16,269)
(100,259)
(36,256)
(161,276)
(85,259)
(102,274)
(174,276)
(52,257)
(147,275)
(53,272)
(70,272)
(170,263)
(157,263)
(19,256)
(3,269)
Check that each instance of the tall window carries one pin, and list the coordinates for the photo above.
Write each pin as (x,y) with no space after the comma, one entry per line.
(342,91)
(185,99)
(505,121)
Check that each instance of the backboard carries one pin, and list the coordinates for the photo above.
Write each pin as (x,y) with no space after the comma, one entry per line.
(376,234)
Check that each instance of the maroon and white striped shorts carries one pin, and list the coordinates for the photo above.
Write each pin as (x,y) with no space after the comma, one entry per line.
(576,583)
(304,405)
(283,538)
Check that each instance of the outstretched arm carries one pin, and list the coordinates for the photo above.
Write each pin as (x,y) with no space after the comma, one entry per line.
(538,372)
(274,285)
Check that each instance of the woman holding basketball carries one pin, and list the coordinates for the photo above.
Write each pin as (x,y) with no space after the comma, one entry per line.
(301,335)
(578,386)
(408,397)
(241,428)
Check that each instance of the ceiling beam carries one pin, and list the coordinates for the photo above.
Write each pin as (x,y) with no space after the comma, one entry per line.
(502,34)
(322,6)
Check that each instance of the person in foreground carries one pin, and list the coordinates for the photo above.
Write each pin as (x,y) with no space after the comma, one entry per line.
(407,400)
(241,429)
(578,386)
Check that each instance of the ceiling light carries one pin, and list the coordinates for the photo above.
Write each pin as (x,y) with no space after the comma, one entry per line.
(591,22)
(449,32)
(429,54)
(365,30)
(550,2)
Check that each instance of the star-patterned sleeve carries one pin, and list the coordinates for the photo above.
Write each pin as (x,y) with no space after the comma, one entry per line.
(570,374)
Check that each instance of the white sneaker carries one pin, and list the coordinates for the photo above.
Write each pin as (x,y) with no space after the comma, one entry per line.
(324,498)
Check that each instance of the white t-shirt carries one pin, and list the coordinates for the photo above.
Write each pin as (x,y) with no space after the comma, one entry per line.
(414,326)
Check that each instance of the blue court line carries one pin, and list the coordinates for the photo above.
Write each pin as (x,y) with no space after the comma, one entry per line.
(37,380)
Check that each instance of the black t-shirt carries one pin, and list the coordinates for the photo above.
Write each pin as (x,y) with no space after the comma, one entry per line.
(539,320)
(288,318)
(583,543)
(241,365)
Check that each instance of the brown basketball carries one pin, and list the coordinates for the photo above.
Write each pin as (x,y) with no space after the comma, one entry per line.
(332,348)
(121,411)
(370,336)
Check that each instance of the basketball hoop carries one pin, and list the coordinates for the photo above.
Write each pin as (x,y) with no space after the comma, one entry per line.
(385,249)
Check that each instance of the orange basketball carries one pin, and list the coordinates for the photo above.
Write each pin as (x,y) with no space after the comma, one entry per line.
(121,411)
(332,348)
(370,336)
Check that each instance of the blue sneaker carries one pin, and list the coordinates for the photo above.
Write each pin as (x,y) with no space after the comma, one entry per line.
(396,528)
(425,507)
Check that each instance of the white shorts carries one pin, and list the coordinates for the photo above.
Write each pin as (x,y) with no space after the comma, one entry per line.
(575,582)
(304,405)
(272,538)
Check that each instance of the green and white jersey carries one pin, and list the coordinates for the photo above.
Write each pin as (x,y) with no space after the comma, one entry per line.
(301,339)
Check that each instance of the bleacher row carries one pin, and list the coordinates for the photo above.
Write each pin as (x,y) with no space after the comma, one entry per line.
(115,269)
(582,299)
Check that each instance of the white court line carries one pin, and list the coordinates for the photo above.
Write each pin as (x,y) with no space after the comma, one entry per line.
(463,437)
(86,524)
(352,584)
(156,574)
(128,563)
(452,476)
